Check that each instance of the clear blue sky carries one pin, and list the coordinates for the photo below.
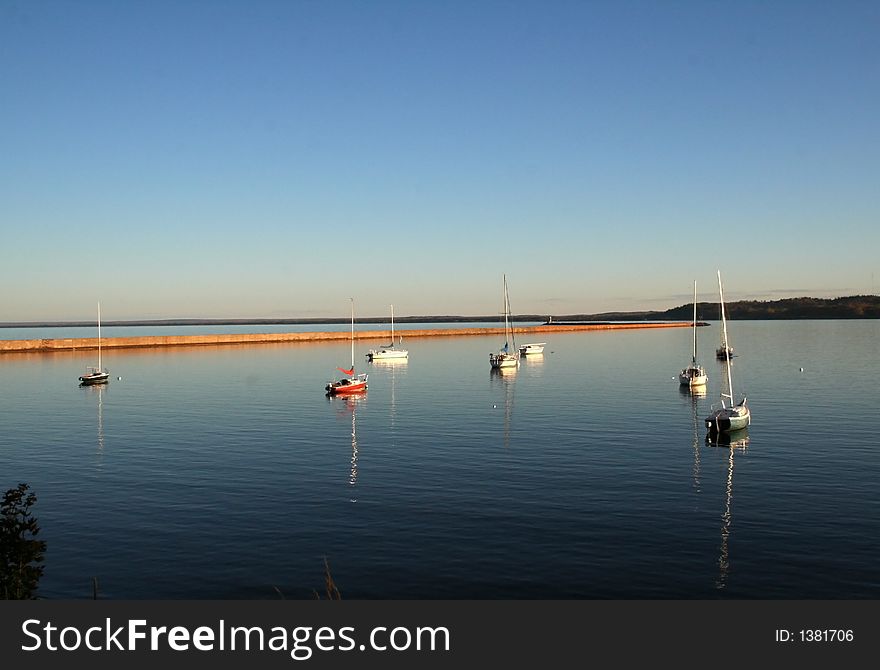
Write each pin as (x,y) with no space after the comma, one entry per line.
(255,158)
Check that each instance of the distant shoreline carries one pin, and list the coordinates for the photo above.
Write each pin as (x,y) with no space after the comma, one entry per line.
(850,307)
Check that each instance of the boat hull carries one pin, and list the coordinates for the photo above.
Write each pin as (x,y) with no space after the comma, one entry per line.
(347,386)
(728,420)
(498,361)
(387,354)
(531,349)
(95,378)
(335,389)
(693,377)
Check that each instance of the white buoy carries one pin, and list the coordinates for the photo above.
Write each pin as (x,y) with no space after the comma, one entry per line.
(802,369)
(119,378)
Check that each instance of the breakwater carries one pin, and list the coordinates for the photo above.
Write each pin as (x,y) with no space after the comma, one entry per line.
(152,341)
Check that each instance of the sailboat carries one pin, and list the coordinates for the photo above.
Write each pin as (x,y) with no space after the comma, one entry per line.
(507,356)
(728,418)
(96,375)
(725,351)
(353,383)
(694,375)
(389,351)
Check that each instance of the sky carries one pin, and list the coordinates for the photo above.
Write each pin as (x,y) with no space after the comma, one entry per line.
(263,159)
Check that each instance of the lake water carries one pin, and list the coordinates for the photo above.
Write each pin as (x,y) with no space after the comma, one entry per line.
(225,472)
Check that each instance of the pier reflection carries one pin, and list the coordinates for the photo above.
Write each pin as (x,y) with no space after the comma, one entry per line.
(736,442)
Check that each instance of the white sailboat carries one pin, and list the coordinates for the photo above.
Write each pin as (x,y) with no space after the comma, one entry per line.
(390,351)
(507,356)
(694,375)
(96,375)
(353,382)
(732,417)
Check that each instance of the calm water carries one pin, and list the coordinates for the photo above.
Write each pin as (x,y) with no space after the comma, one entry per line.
(226,473)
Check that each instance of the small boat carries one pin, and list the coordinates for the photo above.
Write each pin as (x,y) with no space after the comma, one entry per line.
(535,348)
(390,351)
(732,417)
(353,383)
(694,375)
(725,351)
(96,375)
(505,358)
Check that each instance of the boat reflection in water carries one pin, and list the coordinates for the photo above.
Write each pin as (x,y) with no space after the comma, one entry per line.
(348,404)
(98,390)
(693,394)
(692,391)
(533,360)
(504,378)
(391,368)
(735,442)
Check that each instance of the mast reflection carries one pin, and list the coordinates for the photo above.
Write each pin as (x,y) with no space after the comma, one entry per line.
(506,377)
(393,367)
(694,394)
(348,404)
(737,441)
(98,390)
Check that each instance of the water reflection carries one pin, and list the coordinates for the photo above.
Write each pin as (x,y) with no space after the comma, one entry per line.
(694,394)
(693,391)
(389,362)
(736,442)
(533,360)
(98,390)
(505,378)
(392,367)
(348,404)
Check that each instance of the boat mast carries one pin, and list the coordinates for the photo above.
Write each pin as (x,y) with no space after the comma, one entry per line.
(695,323)
(504,303)
(392,325)
(352,335)
(99,336)
(726,348)
(507,307)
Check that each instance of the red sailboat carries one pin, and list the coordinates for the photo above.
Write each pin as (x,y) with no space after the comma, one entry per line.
(353,383)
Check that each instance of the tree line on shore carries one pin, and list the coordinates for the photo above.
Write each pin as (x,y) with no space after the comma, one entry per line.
(850,307)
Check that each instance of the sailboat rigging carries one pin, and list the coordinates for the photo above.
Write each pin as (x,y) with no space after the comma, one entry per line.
(389,351)
(694,375)
(96,375)
(507,356)
(725,351)
(728,418)
(353,383)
